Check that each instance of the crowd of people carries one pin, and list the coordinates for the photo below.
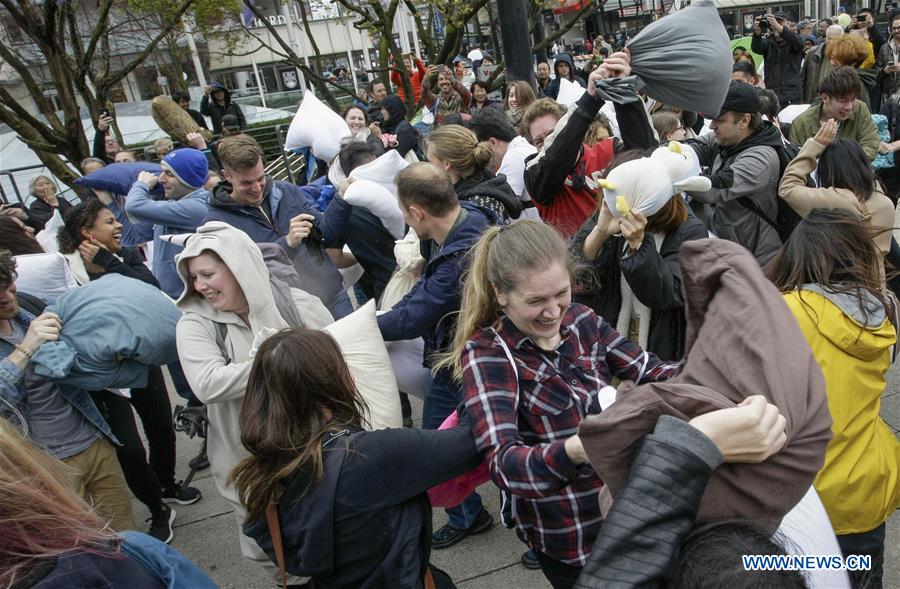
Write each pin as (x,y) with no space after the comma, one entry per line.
(562,251)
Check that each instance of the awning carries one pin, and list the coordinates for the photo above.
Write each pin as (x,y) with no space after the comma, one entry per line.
(568,6)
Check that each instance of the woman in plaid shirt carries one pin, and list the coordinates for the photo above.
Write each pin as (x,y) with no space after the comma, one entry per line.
(533,365)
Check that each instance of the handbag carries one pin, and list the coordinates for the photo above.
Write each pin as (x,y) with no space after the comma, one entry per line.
(452,492)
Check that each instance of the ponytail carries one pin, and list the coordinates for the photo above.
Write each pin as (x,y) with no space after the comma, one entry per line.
(497,262)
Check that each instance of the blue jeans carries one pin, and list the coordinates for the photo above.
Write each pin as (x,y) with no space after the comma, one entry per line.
(340,306)
(441,398)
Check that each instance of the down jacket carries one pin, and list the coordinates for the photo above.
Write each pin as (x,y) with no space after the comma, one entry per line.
(654,277)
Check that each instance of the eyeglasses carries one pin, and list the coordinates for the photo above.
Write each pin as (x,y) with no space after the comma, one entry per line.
(895,28)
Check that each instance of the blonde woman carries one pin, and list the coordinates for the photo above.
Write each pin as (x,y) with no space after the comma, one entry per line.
(532,365)
(50,538)
(457,151)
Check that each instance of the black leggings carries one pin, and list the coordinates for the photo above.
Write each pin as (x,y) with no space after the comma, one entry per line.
(152,405)
(560,574)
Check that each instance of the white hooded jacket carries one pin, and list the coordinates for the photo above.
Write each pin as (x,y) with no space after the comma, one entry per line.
(215,380)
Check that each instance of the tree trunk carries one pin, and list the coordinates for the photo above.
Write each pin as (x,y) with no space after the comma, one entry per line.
(516,41)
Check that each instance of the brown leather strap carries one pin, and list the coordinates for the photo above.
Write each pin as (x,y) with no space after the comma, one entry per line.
(275,533)
(429,579)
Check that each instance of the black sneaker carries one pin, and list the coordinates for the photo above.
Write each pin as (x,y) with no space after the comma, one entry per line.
(161,524)
(448,536)
(178,493)
(530,561)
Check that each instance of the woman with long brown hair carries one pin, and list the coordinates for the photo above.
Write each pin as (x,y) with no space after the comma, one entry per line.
(830,273)
(50,538)
(301,421)
(18,237)
(519,95)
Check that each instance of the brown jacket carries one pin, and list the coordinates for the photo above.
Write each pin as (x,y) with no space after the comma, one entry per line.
(878,210)
(741,340)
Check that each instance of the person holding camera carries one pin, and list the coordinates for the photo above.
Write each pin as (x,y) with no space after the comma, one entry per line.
(783,53)
(282,213)
(888,63)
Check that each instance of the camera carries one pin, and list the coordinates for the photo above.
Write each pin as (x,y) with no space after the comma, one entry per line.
(763,24)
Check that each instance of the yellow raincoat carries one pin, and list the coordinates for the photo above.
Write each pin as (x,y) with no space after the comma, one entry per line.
(860,481)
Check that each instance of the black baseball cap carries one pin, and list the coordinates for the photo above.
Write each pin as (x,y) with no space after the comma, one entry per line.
(780,16)
(741,98)
(230,122)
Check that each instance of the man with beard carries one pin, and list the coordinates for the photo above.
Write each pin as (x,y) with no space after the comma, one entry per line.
(744,169)
(183,174)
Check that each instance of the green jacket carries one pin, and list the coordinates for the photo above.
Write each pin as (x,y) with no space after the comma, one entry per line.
(858,127)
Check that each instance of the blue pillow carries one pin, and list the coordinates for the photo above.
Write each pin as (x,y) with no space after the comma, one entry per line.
(118,178)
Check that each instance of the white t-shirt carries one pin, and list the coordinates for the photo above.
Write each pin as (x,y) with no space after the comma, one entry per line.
(808,531)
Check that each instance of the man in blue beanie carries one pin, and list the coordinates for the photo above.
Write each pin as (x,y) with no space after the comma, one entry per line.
(184,173)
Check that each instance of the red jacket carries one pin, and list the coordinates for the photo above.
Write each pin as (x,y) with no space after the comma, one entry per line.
(415,80)
(557,177)
(571,206)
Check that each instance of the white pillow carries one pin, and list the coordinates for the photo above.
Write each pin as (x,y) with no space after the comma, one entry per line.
(569,92)
(318,127)
(383,170)
(644,183)
(46,276)
(360,340)
(684,167)
(379,200)
(789,113)
(47,236)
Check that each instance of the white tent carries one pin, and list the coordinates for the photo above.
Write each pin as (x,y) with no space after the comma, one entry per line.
(134,121)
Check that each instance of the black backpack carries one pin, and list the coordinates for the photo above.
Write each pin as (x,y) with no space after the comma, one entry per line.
(786,218)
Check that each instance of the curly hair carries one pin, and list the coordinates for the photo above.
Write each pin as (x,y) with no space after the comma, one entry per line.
(537,109)
(81,216)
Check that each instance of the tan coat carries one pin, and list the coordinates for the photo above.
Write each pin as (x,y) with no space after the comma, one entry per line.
(741,340)
(220,381)
(878,210)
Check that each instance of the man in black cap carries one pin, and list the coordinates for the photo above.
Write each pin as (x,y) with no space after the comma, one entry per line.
(783,53)
(742,158)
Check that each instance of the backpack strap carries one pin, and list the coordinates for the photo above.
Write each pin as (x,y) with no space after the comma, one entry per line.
(275,533)
(284,302)
(748,204)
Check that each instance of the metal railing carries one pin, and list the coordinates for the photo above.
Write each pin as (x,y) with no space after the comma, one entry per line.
(282,165)
(10,187)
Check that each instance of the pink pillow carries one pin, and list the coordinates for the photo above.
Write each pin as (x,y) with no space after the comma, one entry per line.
(451,493)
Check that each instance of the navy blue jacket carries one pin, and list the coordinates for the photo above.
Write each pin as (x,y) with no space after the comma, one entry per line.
(429,310)
(372,245)
(319,274)
(379,539)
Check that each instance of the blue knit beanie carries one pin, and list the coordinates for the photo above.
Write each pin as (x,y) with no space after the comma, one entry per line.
(187,164)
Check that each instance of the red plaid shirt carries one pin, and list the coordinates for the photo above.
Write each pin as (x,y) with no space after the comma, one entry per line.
(555,502)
